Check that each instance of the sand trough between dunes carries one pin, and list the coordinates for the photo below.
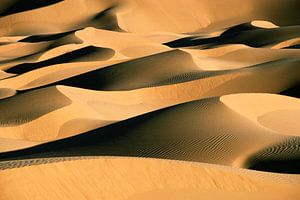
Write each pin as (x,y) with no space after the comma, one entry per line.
(149,99)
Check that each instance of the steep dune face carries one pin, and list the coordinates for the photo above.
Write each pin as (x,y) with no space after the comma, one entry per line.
(214,84)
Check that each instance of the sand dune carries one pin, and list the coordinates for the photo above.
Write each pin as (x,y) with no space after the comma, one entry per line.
(194,98)
(237,58)
(181,132)
(136,178)
(155,98)
(165,71)
(253,38)
(160,15)
(9,52)
(54,18)
(84,54)
(265,108)
(4,75)
(128,44)
(7,92)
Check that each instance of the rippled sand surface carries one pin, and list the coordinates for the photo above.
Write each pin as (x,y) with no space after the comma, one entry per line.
(149,99)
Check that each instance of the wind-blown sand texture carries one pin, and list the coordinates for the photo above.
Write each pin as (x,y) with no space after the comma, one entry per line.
(149,99)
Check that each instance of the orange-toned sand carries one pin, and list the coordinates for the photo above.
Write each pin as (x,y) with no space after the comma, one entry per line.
(207,90)
(138,178)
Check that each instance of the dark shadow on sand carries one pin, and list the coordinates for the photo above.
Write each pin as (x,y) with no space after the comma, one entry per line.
(241,34)
(21,6)
(84,54)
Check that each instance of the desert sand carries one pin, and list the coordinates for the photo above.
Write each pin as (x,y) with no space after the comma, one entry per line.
(149,99)
(139,178)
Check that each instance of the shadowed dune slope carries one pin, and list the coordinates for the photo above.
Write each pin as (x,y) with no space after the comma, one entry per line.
(253,38)
(84,54)
(183,132)
(59,17)
(16,6)
(148,99)
(203,15)
(196,99)
(182,70)
(26,107)
(293,91)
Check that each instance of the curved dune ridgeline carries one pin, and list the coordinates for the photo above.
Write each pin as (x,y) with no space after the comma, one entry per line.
(149,99)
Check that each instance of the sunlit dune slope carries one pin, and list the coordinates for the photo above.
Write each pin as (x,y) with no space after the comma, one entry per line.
(149,99)
(136,178)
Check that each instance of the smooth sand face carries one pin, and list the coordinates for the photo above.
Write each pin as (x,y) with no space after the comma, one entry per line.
(198,81)
(286,44)
(283,121)
(159,15)
(137,178)
(278,113)
(263,24)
